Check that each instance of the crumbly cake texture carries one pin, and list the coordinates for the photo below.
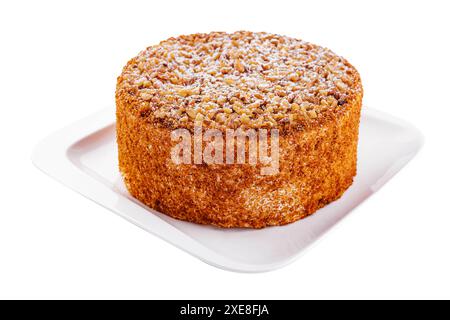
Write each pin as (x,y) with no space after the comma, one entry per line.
(240,80)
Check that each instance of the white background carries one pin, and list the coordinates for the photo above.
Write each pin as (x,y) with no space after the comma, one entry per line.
(59,61)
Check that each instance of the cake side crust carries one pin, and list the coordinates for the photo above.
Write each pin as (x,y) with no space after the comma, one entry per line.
(316,167)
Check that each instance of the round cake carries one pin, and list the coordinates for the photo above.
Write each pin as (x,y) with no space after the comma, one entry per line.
(184,105)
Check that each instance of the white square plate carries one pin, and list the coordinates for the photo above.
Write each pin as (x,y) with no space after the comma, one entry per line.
(84,157)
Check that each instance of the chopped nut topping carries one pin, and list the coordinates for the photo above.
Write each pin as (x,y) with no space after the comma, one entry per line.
(239,66)
(228,80)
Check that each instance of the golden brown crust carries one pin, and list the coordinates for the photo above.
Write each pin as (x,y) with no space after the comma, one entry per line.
(317,164)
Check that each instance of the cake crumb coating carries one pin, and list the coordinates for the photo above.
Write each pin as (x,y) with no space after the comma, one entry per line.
(239,80)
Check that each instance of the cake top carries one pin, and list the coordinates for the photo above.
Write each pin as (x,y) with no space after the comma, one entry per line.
(243,79)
